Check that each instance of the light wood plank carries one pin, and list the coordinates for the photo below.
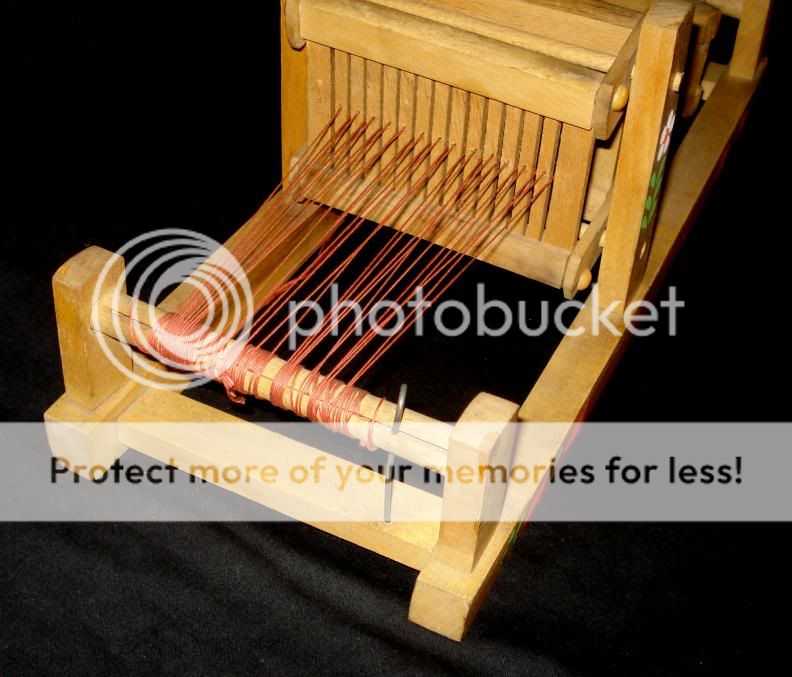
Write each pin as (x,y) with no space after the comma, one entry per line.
(341,85)
(441,118)
(638,184)
(357,86)
(493,140)
(341,98)
(374,74)
(733,8)
(482,438)
(706,21)
(294,99)
(407,95)
(529,157)
(575,153)
(90,376)
(749,47)
(320,85)
(574,30)
(545,165)
(614,94)
(578,276)
(424,97)
(603,168)
(713,74)
(357,101)
(495,70)
(510,151)
(477,119)
(174,429)
(457,134)
(390,114)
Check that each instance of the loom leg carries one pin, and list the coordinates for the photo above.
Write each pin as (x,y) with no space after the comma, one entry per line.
(80,425)
(640,173)
(452,587)
(86,441)
(749,47)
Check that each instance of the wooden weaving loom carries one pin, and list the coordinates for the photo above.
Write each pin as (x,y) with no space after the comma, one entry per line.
(396,111)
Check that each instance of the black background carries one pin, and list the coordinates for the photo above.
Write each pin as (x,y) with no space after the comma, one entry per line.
(123,117)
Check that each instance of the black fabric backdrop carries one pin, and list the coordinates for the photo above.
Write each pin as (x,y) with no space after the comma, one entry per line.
(122,117)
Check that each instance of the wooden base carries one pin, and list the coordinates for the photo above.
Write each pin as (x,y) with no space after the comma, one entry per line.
(452,556)
(79,436)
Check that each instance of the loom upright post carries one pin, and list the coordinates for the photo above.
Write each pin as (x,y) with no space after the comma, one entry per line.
(96,390)
(455,582)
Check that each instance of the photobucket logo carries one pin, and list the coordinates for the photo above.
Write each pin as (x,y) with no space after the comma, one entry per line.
(488,317)
(160,261)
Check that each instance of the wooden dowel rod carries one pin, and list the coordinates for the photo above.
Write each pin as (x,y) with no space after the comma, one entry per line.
(482,21)
(421,439)
(728,7)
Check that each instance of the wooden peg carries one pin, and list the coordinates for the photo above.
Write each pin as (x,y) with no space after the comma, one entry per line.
(585,280)
(291,10)
(620,98)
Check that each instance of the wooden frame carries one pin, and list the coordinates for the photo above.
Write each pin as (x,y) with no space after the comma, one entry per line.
(458,557)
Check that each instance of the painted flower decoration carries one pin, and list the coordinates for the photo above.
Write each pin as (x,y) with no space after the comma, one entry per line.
(665,137)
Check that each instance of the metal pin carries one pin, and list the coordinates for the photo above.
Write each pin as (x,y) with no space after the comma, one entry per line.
(391,462)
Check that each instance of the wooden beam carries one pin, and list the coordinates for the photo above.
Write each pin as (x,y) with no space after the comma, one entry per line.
(482,439)
(89,372)
(751,35)
(454,57)
(732,8)
(86,441)
(614,94)
(575,154)
(637,186)
(192,436)
(294,94)
(578,276)
(589,41)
